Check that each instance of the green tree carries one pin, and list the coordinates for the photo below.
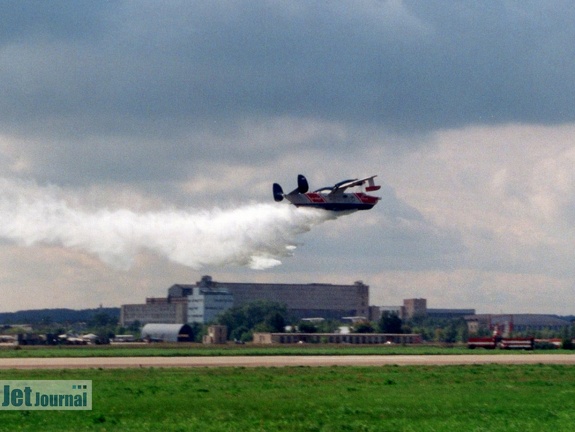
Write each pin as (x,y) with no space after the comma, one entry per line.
(306,327)
(463,332)
(275,322)
(241,333)
(260,315)
(389,323)
(103,325)
(363,327)
(440,329)
(328,326)
(135,327)
(449,333)
(102,319)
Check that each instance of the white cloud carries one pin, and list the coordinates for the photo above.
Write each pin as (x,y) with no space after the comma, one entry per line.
(465,111)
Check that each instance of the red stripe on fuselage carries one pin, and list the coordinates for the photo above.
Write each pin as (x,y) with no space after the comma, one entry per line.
(366,199)
(315,197)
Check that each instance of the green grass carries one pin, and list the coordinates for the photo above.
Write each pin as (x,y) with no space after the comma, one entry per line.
(168,350)
(390,398)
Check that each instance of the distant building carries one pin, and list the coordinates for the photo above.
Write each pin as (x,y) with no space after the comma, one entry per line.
(417,307)
(413,308)
(203,301)
(375,312)
(156,310)
(302,300)
(336,338)
(167,333)
(205,304)
(217,334)
(449,313)
(506,324)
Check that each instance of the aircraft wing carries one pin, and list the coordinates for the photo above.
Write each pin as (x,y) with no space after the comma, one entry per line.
(341,186)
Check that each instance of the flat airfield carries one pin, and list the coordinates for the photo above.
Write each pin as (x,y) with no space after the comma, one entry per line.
(282,361)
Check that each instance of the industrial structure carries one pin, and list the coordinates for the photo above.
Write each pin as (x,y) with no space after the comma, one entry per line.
(203,301)
(417,308)
(507,324)
(336,338)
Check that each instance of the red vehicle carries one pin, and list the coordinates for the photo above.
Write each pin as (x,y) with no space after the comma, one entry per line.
(482,342)
(517,343)
(502,343)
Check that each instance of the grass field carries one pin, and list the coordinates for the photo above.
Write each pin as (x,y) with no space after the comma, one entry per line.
(391,398)
(168,350)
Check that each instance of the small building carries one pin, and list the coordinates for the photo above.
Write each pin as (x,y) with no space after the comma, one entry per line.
(168,333)
(156,310)
(417,308)
(376,312)
(413,308)
(123,338)
(336,338)
(205,304)
(217,334)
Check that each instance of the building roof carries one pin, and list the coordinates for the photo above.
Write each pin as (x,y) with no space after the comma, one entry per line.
(432,311)
(521,319)
(167,332)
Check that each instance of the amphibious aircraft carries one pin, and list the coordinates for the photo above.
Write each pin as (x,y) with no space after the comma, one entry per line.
(334,198)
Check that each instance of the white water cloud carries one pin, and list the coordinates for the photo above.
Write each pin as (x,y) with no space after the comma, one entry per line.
(255,235)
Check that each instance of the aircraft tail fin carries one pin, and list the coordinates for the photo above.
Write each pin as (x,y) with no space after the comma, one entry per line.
(278,192)
(371,186)
(302,185)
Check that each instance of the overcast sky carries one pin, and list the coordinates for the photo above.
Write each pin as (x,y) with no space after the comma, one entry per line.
(464,110)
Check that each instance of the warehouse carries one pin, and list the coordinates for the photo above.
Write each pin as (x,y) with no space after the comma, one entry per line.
(336,338)
(167,333)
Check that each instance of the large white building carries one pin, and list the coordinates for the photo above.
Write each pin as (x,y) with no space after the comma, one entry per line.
(205,304)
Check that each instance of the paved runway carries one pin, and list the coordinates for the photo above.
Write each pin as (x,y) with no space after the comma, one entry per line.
(281,361)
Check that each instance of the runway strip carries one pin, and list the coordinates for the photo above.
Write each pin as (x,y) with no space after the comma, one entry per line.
(282,361)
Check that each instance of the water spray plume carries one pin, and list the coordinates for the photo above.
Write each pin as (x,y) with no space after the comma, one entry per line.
(255,235)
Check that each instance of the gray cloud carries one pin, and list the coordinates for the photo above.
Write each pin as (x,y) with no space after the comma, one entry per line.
(410,65)
(29,20)
(205,104)
(132,90)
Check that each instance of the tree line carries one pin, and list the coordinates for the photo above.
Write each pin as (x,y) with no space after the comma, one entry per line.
(260,316)
(263,316)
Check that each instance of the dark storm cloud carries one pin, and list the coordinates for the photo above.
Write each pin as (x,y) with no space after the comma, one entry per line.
(497,62)
(423,64)
(143,82)
(139,106)
(58,19)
